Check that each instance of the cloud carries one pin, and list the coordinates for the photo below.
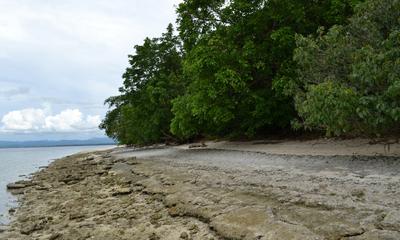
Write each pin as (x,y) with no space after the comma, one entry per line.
(70,54)
(24,120)
(41,120)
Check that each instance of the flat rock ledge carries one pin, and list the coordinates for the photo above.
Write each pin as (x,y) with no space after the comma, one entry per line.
(101,195)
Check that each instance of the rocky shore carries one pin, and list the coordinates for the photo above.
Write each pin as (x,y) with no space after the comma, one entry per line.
(204,194)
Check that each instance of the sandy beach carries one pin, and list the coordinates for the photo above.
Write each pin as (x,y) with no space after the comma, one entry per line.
(255,190)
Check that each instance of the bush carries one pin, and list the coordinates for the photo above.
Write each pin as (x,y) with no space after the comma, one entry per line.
(348,78)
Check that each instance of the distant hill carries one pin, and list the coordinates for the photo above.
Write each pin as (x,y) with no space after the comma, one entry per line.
(45,143)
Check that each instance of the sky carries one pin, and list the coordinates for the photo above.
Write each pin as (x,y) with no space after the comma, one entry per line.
(60,59)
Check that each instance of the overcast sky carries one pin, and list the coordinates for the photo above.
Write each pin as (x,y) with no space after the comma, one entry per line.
(59,60)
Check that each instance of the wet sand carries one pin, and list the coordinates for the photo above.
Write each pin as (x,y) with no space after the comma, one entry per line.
(217,192)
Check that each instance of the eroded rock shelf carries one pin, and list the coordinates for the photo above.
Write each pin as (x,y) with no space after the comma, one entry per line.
(207,194)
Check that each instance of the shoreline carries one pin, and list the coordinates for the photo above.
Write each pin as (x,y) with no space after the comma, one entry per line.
(315,147)
(214,192)
(20,163)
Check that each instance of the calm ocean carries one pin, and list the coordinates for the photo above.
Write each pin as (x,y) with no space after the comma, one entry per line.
(15,162)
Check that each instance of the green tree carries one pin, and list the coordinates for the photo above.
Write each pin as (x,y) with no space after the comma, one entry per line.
(141,114)
(239,59)
(349,78)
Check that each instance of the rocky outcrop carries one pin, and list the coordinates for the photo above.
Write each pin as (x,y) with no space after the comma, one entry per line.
(108,195)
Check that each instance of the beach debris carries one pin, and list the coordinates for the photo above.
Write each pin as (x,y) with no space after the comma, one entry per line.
(198,145)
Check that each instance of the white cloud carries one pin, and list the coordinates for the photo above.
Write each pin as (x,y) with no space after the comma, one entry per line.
(71,54)
(24,120)
(41,120)
(67,120)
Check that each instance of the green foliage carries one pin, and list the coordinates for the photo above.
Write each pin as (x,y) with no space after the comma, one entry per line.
(349,77)
(142,113)
(231,72)
(239,62)
(330,106)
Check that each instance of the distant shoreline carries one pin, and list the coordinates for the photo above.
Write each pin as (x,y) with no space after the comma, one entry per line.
(61,145)
(57,143)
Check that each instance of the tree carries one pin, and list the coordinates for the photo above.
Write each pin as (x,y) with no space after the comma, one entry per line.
(239,61)
(349,77)
(141,114)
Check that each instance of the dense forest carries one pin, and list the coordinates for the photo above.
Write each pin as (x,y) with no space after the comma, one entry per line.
(251,68)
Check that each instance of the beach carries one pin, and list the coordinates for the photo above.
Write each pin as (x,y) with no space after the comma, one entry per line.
(224,190)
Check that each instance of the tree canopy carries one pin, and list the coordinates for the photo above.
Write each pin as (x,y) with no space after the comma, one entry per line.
(247,68)
(236,52)
(141,114)
(349,76)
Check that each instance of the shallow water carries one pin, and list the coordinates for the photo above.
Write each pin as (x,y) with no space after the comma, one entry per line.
(18,163)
